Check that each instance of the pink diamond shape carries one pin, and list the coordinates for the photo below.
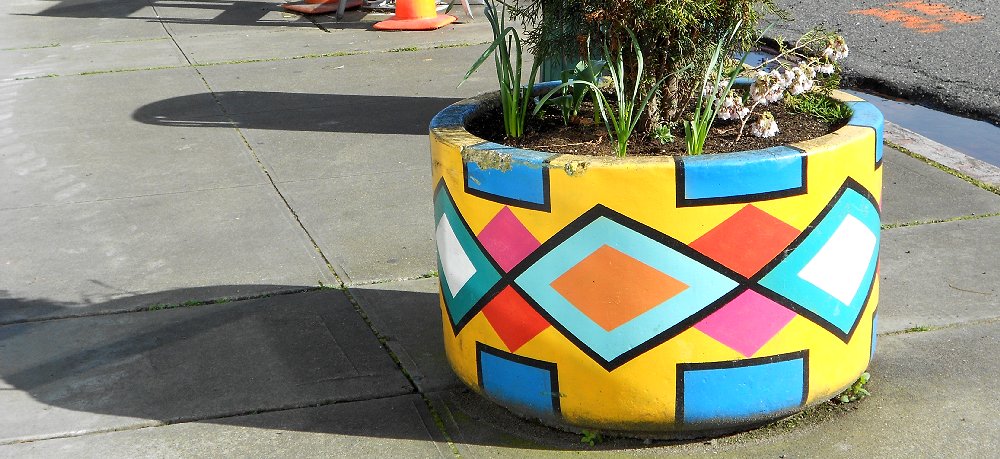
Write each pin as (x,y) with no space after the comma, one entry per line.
(746,323)
(507,240)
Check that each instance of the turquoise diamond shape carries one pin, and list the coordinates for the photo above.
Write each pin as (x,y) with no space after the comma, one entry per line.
(599,227)
(829,274)
(473,275)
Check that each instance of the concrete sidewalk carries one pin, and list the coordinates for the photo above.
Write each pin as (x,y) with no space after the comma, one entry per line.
(216,240)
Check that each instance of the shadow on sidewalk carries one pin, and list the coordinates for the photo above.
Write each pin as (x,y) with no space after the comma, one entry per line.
(177,364)
(299,112)
(248,363)
(201,12)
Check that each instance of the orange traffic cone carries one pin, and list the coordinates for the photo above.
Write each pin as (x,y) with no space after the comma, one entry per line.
(322,6)
(415,15)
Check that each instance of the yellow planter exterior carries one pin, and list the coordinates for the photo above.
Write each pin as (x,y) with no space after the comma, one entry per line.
(658,296)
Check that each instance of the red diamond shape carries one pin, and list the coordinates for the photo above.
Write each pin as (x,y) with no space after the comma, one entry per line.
(514,320)
(747,241)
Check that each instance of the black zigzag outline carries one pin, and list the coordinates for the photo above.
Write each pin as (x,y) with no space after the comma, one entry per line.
(683,201)
(851,184)
(589,217)
(545,206)
(456,327)
(550,367)
(685,367)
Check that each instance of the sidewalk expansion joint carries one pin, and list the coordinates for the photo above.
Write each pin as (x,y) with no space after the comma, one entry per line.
(992,188)
(25,48)
(81,433)
(889,226)
(189,419)
(197,65)
(384,342)
(318,25)
(931,328)
(430,275)
(164,306)
(129,197)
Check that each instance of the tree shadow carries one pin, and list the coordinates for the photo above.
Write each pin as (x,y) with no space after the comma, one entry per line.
(298,112)
(302,362)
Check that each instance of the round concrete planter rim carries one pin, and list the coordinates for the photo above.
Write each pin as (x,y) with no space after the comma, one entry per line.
(457,114)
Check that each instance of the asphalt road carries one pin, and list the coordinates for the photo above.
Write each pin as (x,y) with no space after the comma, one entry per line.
(940,53)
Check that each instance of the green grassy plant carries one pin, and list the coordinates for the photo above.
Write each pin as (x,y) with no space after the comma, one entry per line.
(710,99)
(821,106)
(506,50)
(620,118)
(572,96)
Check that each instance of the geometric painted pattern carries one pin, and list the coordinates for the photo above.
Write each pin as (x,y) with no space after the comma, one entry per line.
(616,288)
(689,285)
(522,181)
(729,271)
(507,240)
(612,288)
(829,273)
(466,273)
(772,173)
(741,390)
(513,319)
(519,381)
(747,323)
(746,241)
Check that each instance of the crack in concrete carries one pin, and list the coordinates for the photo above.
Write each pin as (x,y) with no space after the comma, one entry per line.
(118,198)
(189,419)
(161,306)
(890,226)
(929,328)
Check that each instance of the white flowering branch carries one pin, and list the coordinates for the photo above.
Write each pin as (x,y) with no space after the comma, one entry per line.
(796,71)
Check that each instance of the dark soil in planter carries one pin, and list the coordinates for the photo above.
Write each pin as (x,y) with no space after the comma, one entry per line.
(585,137)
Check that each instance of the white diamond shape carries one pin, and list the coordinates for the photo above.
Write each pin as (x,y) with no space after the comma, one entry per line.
(839,267)
(457,266)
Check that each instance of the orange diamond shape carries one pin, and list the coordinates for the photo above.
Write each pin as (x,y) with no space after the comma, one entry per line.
(612,288)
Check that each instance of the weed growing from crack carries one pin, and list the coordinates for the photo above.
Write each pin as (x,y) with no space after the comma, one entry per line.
(591,437)
(857,390)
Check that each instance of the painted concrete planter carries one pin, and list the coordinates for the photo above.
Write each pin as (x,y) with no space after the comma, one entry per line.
(659,296)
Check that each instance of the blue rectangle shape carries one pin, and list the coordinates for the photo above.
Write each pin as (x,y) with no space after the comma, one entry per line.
(748,173)
(516,383)
(725,395)
(520,176)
